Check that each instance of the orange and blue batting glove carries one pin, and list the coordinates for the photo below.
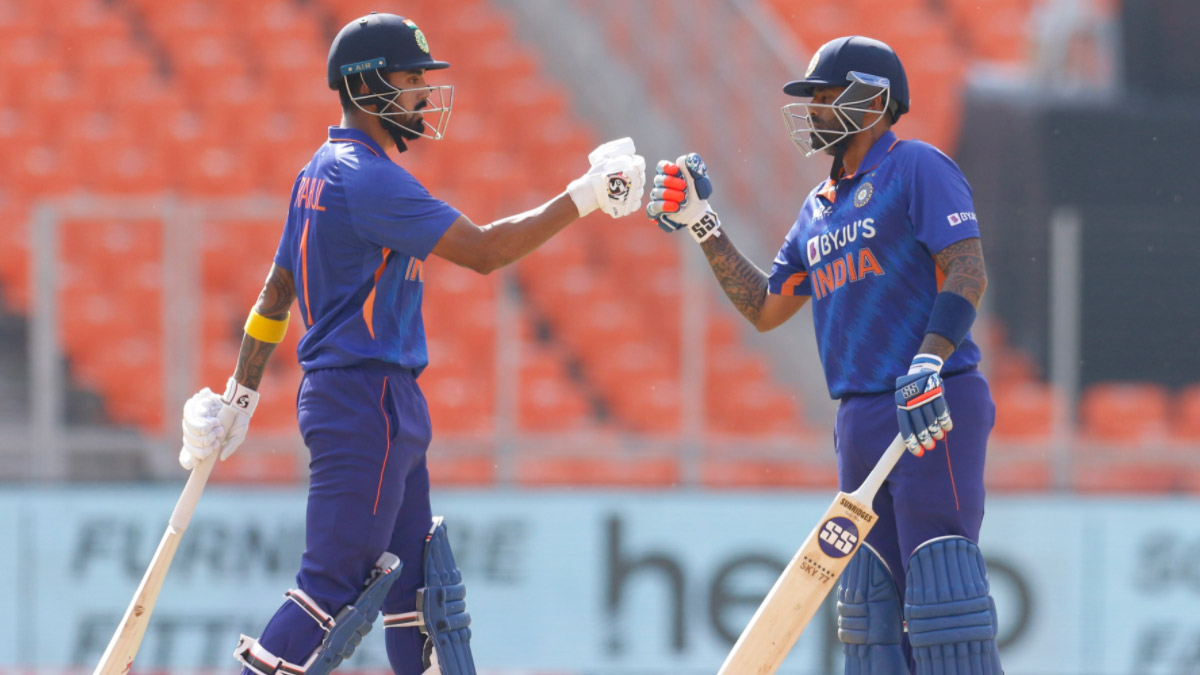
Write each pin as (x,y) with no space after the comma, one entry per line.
(680,198)
(920,405)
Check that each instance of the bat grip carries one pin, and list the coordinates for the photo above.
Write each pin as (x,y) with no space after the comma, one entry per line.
(182,515)
(866,492)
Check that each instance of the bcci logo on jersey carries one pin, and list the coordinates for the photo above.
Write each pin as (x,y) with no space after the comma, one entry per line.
(958,218)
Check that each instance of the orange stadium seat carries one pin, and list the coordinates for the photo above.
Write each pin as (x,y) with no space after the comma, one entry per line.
(460,468)
(1024,411)
(1031,470)
(598,470)
(739,472)
(753,408)
(1124,412)
(549,399)
(1185,414)
(248,465)
(1128,475)
(459,401)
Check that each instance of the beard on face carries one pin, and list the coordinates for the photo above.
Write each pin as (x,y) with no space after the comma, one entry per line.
(827,137)
(410,127)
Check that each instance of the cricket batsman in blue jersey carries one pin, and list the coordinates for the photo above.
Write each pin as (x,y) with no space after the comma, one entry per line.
(888,250)
(359,228)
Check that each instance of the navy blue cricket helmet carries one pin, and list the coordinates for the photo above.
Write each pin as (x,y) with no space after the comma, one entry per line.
(376,44)
(836,59)
(384,42)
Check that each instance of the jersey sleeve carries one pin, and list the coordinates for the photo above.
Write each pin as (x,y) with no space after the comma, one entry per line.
(401,215)
(789,276)
(941,208)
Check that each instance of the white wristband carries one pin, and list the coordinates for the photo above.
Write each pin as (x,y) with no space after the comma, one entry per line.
(581,192)
(240,397)
(709,225)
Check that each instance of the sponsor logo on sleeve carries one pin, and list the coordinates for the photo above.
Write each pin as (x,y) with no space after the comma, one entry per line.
(960,217)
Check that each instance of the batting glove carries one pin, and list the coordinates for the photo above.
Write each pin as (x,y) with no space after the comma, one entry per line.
(615,182)
(921,408)
(214,423)
(680,198)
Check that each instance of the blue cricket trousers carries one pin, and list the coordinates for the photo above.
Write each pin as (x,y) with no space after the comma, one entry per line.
(367,429)
(938,494)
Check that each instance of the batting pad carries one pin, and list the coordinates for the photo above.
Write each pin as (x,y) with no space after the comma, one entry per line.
(870,618)
(951,616)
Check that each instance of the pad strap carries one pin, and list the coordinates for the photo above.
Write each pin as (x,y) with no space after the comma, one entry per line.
(258,660)
(311,608)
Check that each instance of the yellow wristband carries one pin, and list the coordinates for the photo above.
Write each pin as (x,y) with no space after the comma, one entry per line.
(263,329)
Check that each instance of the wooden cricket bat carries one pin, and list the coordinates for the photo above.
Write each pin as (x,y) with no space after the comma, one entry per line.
(807,579)
(118,657)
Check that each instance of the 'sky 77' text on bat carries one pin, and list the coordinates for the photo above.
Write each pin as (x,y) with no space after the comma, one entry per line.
(118,657)
(809,576)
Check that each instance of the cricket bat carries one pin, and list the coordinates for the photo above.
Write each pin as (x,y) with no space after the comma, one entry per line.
(118,657)
(807,579)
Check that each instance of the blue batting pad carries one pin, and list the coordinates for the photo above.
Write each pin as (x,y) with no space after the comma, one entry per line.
(870,618)
(951,616)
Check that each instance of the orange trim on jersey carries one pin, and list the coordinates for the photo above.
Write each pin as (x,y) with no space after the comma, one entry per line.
(387,450)
(829,192)
(941,276)
(369,304)
(789,286)
(304,271)
(351,140)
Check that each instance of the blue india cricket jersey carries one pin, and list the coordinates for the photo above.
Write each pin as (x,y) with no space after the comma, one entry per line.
(358,230)
(863,248)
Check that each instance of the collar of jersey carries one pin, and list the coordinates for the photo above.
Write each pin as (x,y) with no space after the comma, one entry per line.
(347,135)
(872,159)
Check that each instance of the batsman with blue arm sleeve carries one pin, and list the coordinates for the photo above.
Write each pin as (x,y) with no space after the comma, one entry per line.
(887,252)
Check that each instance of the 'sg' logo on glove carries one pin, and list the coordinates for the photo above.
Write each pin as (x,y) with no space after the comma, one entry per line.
(242,402)
(618,186)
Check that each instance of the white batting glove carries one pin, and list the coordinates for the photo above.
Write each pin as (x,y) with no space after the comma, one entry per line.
(212,423)
(680,198)
(615,182)
(202,431)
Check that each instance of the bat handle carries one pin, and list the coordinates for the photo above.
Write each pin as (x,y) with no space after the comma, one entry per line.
(182,515)
(866,492)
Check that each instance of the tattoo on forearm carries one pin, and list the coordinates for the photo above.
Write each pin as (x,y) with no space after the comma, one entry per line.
(274,302)
(277,294)
(937,345)
(744,284)
(252,361)
(962,263)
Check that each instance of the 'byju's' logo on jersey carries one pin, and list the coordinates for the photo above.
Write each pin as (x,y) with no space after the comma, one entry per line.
(863,194)
(825,244)
(957,218)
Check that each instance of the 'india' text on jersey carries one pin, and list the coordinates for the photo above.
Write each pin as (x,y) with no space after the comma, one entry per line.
(863,248)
